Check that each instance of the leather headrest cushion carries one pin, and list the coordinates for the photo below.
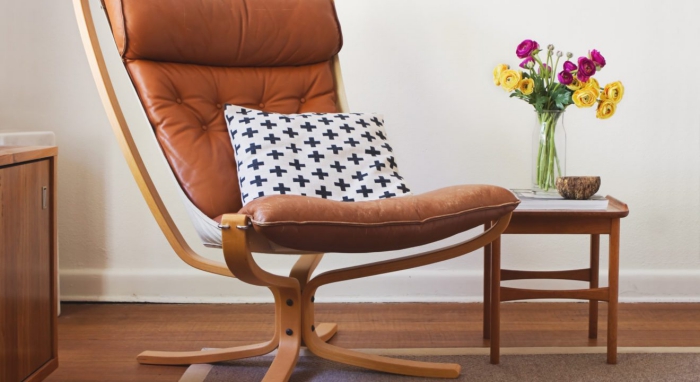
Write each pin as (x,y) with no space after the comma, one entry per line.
(226,32)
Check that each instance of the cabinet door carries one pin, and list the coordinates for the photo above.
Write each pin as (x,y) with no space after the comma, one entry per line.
(25,278)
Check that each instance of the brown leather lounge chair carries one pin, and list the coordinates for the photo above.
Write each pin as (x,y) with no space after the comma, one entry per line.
(271,55)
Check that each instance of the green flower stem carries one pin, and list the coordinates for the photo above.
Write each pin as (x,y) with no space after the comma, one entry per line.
(554,69)
(537,59)
(550,101)
(547,161)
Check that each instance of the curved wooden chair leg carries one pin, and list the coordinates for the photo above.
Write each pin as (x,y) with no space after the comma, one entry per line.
(326,331)
(215,355)
(287,292)
(288,324)
(304,267)
(302,271)
(206,356)
(379,363)
(313,340)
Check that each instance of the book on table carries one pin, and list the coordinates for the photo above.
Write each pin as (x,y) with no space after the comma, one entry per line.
(530,200)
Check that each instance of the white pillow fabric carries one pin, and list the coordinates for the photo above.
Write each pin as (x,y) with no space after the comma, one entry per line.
(344,157)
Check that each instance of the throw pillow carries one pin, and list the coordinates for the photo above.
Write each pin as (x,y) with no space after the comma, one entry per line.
(344,157)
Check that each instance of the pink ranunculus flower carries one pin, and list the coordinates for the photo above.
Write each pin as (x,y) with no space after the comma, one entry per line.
(597,58)
(526,48)
(527,61)
(570,66)
(586,68)
(565,77)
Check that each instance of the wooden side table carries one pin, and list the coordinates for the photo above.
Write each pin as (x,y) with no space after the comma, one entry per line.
(589,222)
(28,294)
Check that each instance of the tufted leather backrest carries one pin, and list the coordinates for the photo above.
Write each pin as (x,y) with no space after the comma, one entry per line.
(188,58)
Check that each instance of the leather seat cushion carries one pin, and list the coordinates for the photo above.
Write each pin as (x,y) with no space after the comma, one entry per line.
(313,224)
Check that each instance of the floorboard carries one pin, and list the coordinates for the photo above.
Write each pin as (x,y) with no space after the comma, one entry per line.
(99,342)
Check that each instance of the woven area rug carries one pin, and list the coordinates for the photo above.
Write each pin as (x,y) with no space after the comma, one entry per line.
(517,365)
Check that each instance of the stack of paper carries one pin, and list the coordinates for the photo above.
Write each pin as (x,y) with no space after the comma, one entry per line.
(530,200)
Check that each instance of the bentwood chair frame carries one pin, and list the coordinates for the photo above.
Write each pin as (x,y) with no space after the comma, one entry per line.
(294,295)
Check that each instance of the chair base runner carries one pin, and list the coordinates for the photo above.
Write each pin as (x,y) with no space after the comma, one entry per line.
(324,331)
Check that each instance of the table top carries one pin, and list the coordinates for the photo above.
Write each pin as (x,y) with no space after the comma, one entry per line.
(568,221)
(616,209)
(18,154)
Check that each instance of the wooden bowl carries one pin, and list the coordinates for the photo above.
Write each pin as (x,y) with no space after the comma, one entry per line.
(578,187)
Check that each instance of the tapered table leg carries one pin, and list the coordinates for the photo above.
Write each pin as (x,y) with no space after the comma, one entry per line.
(487,287)
(613,277)
(595,269)
(495,300)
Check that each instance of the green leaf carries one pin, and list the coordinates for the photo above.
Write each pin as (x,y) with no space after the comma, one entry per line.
(539,103)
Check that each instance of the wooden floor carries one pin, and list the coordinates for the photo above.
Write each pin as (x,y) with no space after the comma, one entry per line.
(99,342)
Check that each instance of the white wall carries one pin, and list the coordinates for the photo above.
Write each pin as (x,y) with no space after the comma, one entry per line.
(427,66)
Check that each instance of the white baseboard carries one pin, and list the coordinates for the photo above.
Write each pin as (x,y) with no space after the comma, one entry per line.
(192,286)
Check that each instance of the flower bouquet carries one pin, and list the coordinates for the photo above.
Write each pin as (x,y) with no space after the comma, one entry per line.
(550,92)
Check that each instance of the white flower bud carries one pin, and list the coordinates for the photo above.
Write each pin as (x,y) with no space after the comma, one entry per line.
(550,47)
(559,54)
(530,65)
(569,55)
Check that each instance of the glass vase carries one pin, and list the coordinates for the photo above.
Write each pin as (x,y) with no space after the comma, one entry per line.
(548,151)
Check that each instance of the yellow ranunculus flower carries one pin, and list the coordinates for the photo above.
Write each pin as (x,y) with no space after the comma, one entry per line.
(614,91)
(510,79)
(606,109)
(593,84)
(584,97)
(497,73)
(575,84)
(526,86)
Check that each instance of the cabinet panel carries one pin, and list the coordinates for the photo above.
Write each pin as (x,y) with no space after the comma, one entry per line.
(25,270)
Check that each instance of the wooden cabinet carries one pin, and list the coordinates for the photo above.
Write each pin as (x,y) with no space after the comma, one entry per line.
(28,297)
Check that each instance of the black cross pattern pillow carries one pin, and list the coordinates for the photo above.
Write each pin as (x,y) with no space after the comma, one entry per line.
(344,157)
